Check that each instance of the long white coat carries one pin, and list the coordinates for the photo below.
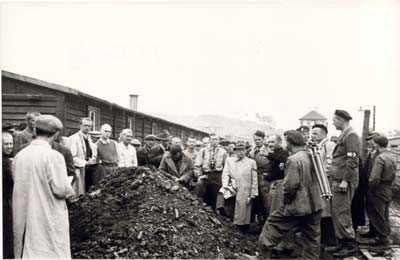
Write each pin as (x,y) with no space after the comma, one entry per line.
(244,172)
(41,225)
(78,149)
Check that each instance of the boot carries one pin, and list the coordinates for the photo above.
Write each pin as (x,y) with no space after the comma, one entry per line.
(336,248)
(348,249)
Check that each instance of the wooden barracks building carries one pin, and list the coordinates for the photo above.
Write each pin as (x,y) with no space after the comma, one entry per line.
(21,94)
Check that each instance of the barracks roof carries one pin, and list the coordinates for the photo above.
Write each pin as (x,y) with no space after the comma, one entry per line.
(313,115)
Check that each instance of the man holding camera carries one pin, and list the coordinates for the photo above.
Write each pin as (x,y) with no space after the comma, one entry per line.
(208,167)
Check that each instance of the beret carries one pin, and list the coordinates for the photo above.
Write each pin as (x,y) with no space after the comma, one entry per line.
(295,137)
(321,126)
(48,123)
(259,133)
(371,135)
(240,145)
(135,141)
(343,114)
(147,137)
(380,140)
(303,129)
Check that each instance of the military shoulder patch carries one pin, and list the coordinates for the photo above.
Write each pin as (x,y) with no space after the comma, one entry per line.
(352,154)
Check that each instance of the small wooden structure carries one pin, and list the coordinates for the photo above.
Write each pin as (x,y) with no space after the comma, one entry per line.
(312,118)
(21,94)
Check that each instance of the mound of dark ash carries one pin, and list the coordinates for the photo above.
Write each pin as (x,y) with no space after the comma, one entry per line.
(139,213)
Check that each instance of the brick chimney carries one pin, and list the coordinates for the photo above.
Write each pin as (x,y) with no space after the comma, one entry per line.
(133,102)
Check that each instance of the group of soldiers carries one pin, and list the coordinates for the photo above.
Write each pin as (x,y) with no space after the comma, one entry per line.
(269,183)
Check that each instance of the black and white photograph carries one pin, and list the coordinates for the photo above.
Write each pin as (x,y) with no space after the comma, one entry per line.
(200,129)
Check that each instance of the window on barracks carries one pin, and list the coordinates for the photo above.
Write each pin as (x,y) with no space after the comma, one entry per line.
(94,114)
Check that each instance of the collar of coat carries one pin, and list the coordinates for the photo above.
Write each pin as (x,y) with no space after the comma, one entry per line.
(345,132)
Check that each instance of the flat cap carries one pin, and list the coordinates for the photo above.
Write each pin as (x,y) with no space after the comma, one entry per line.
(295,137)
(48,123)
(381,140)
(147,137)
(198,143)
(303,128)
(135,141)
(343,114)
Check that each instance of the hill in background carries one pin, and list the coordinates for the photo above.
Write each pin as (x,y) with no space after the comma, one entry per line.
(232,128)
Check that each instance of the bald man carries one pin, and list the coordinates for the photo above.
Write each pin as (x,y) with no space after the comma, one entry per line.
(107,152)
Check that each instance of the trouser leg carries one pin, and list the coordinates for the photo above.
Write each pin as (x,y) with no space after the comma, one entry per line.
(214,185)
(341,211)
(311,234)
(201,189)
(276,227)
(377,213)
(327,231)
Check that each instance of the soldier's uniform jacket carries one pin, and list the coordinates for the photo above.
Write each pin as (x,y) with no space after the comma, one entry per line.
(345,156)
(382,175)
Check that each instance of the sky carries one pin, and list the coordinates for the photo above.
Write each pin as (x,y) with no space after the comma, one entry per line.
(231,58)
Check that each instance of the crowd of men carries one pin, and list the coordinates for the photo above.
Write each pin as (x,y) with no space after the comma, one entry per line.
(272,183)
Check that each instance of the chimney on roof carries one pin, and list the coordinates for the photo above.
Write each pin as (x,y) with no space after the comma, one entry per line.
(133,102)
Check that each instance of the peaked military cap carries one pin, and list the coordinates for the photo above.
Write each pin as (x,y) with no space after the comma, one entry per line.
(343,114)
(295,137)
(303,128)
(48,123)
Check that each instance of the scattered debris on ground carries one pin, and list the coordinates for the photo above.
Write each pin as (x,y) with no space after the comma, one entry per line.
(139,213)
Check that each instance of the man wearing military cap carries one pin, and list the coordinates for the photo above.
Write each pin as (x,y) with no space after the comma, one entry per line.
(345,180)
(41,225)
(305,132)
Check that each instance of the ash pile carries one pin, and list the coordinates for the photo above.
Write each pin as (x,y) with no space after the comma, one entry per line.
(139,213)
